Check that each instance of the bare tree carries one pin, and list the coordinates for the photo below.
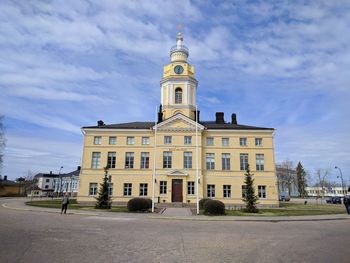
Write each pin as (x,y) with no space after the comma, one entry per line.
(286,174)
(321,175)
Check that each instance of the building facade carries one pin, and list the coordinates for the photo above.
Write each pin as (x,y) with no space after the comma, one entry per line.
(67,183)
(326,192)
(45,183)
(178,149)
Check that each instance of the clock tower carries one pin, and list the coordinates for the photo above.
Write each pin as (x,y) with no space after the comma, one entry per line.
(178,85)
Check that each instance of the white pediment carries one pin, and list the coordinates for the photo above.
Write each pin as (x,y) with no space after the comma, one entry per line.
(179,122)
(177,173)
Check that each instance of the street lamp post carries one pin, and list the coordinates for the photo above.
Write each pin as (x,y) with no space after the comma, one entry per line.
(341,177)
(60,178)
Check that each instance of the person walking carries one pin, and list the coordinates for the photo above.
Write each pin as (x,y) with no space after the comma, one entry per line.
(65,202)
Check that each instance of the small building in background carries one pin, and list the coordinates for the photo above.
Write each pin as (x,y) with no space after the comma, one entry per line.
(10,188)
(326,192)
(45,182)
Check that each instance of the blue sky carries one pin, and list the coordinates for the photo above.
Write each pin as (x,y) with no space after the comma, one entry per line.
(281,64)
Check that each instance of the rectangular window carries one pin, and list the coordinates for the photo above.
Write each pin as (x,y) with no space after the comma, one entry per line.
(210,159)
(112,140)
(167,158)
(96,159)
(145,141)
(188,160)
(211,190)
(243,158)
(227,191)
(190,188)
(130,140)
(243,141)
(225,157)
(144,160)
(111,159)
(244,191)
(47,180)
(110,189)
(225,141)
(210,141)
(258,141)
(259,162)
(97,140)
(129,160)
(261,191)
(188,140)
(143,189)
(93,189)
(162,187)
(167,139)
(127,189)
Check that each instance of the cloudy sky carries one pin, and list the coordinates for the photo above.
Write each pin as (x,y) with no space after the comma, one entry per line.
(281,64)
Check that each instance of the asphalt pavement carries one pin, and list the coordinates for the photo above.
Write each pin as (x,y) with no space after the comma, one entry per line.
(40,236)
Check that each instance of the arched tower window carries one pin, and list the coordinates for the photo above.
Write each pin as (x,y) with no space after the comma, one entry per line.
(178,96)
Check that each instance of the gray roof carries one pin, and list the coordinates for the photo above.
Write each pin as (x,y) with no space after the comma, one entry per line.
(207,124)
(74,173)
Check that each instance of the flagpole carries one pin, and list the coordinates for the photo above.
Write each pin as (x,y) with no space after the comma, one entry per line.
(154,160)
(197,159)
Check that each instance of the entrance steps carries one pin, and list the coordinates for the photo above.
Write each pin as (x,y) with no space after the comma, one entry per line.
(175,204)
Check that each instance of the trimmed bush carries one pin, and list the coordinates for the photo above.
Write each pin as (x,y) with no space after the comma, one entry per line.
(214,207)
(202,202)
(139,204)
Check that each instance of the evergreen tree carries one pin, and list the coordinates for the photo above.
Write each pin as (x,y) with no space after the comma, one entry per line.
(103,198)
(301,180)
(250,198)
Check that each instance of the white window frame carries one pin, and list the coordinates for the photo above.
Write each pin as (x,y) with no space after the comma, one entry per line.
(210,161)
(211,190)
(190,188)
(143,189)
(93,189)
(243,161)
(168,139)
(130,140)
(260,162)
(163,187)
(225,141)
(210,141)
(258,142)
(167,159)
(96,160)
(129,159)
(144,163)
(145,140)
(97,140)
(111,160)
(226,191)
(112,140)
(187,160)
(226,161)
(262,191)
(243,141)
(127,189)
(188,140)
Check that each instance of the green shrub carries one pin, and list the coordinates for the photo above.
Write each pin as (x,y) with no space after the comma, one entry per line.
(139,204)
(202,202)
(214,207)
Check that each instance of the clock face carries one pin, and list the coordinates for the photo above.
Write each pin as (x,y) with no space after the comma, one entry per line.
(178,69)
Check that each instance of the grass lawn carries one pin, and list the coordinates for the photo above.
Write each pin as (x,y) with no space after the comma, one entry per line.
(291,209)
(56,203)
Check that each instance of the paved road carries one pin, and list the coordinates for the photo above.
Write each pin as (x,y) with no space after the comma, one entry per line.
(33,236)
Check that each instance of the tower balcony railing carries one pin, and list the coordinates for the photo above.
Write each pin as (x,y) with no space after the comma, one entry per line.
(181,49)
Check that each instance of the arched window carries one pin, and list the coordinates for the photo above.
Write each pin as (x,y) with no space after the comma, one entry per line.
(178,96)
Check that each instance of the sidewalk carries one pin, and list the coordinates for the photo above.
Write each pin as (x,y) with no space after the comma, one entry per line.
(172,214)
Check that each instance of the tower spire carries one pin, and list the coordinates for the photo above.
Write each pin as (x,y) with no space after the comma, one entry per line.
(179,53)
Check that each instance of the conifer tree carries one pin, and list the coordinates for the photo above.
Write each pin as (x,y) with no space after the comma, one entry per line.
(103,198)
(250,198)
(301,179)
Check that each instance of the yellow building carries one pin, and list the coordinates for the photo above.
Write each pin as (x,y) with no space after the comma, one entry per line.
(137,151)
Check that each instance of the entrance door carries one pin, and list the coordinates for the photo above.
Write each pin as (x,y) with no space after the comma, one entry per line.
(176,192)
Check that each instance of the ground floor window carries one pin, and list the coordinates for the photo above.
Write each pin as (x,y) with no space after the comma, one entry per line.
(190,188)
(127,189)
(244,191)
(211,190)
(110,189)
(93,189)
(227,191)
(163,187)
(262,191)
(143,189)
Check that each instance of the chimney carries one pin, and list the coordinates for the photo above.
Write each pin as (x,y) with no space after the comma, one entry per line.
(220,118)
(5,177)
(195,115)
(160,114)
(234,118)
(78,168)
(100,123)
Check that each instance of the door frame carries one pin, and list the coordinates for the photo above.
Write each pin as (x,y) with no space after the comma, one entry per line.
(173,182)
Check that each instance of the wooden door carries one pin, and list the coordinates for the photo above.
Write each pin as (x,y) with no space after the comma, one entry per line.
(176,192)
